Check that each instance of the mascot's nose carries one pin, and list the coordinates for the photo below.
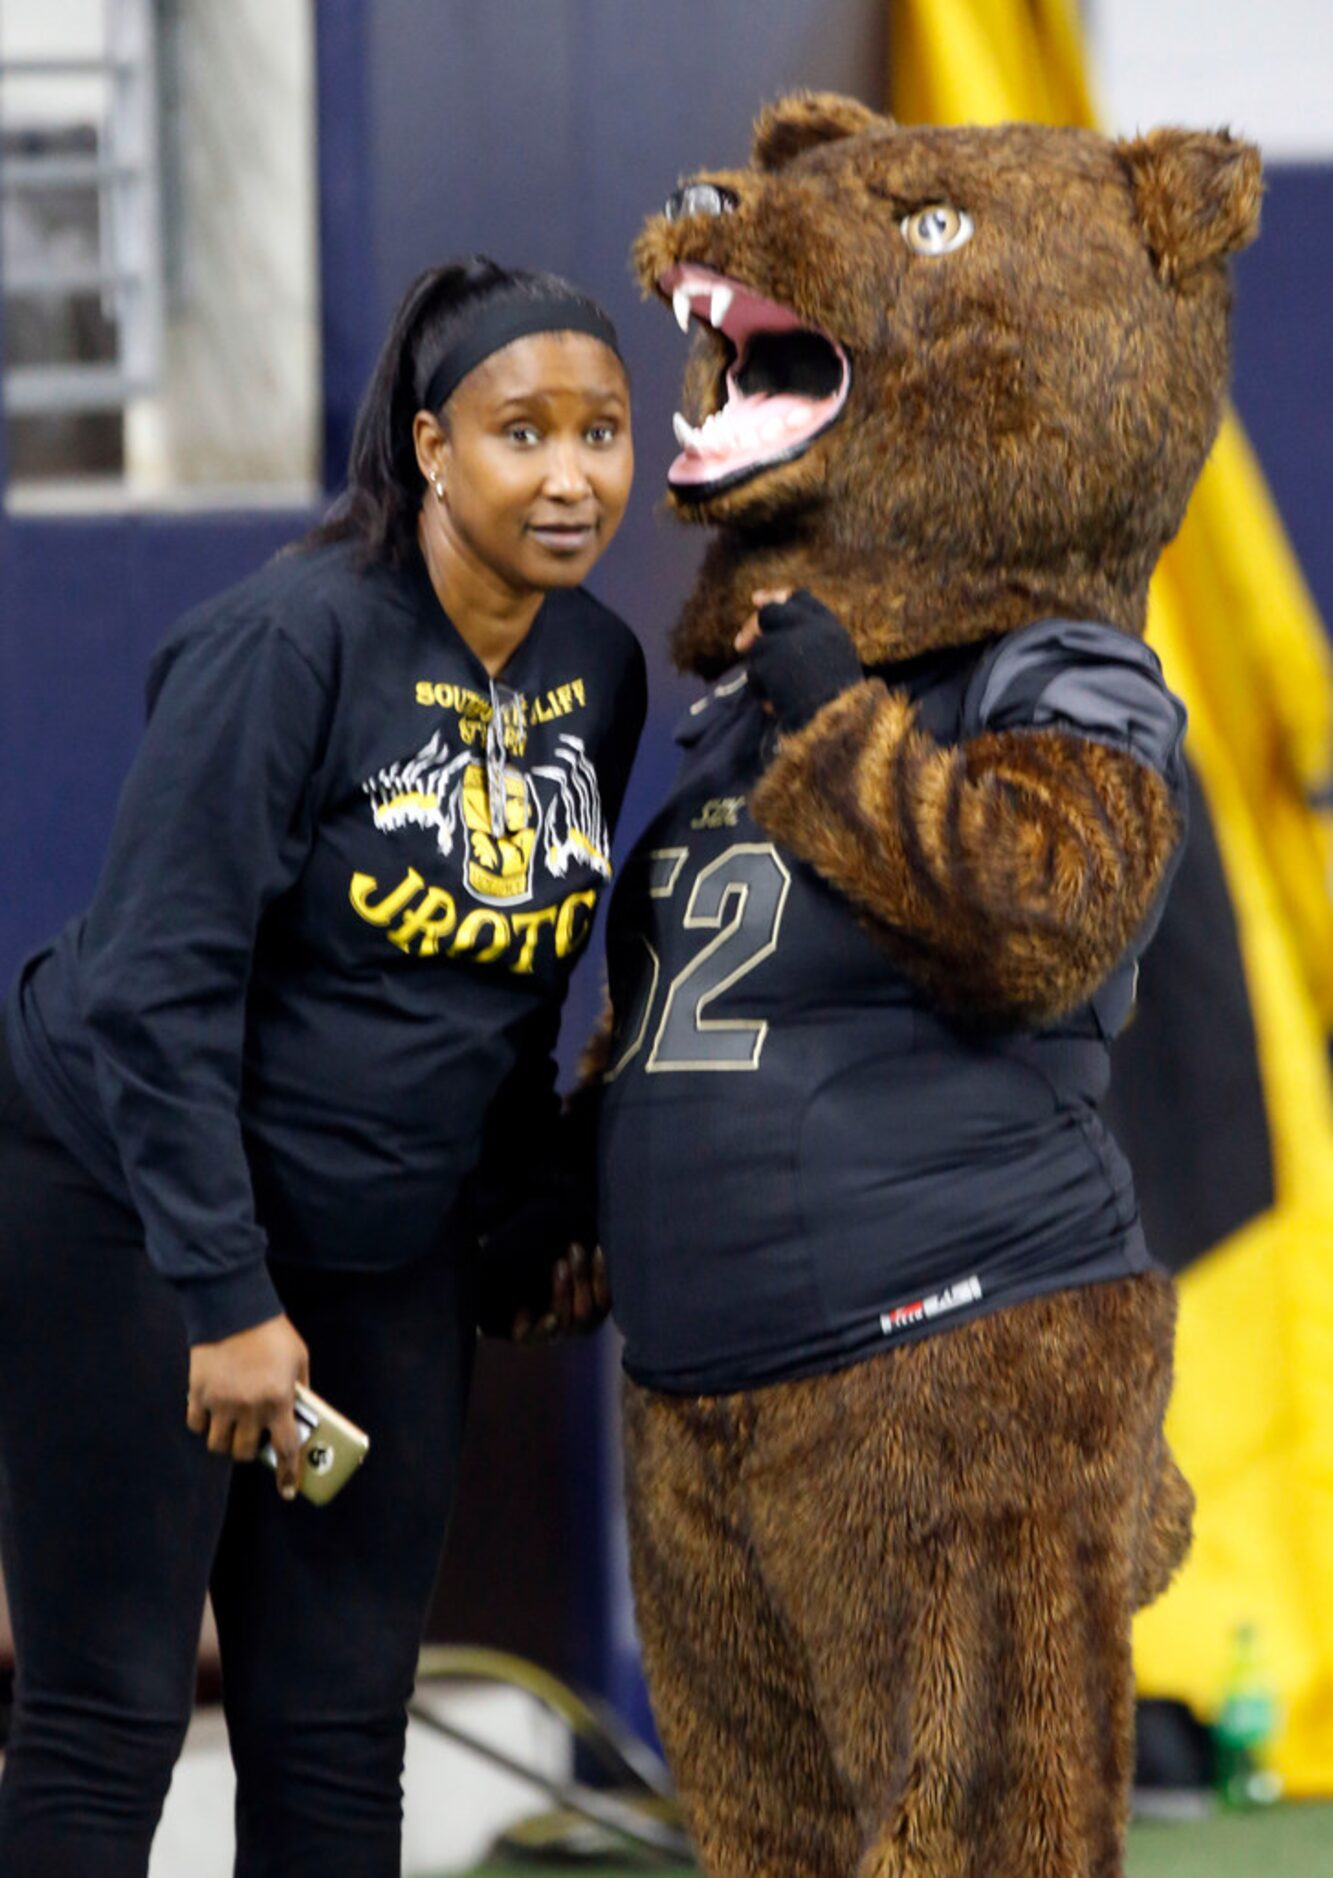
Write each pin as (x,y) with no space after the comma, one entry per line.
(699,199)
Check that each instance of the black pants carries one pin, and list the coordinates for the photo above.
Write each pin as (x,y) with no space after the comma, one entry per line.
(114,1520)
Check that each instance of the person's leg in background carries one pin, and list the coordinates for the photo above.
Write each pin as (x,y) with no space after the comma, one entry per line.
(320,1609)
(109,1512)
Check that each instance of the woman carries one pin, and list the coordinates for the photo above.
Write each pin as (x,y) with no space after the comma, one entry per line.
(256,1100)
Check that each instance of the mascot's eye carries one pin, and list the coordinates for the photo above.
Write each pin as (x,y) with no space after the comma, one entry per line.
(699,199)
(937,230)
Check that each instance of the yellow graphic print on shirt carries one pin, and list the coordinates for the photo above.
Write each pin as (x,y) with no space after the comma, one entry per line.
(499,867)
(549,815)
(474,710)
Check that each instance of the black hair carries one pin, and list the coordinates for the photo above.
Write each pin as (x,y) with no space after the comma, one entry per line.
(379,505)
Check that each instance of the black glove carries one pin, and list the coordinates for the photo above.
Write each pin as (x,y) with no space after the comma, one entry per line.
(517,1260)
(803,657)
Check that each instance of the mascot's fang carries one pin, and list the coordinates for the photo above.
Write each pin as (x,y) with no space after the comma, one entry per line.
(785,383)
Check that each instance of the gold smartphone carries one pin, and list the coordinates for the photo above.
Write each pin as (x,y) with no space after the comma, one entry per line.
(332,1448)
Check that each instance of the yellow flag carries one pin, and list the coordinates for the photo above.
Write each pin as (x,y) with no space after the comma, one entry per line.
(1240,640)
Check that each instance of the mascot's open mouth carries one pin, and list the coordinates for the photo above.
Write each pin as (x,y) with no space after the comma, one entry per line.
(782,383)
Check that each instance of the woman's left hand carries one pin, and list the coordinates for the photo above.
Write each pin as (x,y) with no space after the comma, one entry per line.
(580,1299)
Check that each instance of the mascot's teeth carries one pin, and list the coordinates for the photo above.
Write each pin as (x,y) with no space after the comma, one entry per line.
(682,305)
(748,426)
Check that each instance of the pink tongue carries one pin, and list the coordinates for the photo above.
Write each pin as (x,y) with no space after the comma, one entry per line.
(750,431)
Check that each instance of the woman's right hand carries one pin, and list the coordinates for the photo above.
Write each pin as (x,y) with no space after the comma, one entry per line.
(245,1386)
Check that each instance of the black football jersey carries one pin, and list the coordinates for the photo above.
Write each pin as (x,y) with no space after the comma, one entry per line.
(801,1161)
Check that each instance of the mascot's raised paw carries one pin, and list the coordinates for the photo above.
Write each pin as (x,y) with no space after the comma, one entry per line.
(801,657)
(898,1354)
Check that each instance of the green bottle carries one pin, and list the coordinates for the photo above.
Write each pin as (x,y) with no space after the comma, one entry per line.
(1246,1722)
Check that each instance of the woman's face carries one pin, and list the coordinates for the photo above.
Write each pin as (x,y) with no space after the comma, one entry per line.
(535,459)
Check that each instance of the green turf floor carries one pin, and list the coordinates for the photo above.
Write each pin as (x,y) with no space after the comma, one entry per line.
(1288,1842)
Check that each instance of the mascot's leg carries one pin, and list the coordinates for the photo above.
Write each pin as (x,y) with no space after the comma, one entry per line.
(730,1691)
(1168,1524)
(957,1533)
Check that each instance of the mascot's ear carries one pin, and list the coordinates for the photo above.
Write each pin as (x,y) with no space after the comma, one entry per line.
(803,119)
(1196,195)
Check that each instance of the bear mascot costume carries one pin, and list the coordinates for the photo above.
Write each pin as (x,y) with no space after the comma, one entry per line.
(897,1353)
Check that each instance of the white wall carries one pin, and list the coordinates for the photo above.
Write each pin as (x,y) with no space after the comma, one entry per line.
(241,394)
(235,407)
(68,29)
(1262,67)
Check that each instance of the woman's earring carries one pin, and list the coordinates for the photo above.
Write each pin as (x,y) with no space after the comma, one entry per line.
(438,487)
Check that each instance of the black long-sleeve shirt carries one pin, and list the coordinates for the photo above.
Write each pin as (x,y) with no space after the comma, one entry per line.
(347,884)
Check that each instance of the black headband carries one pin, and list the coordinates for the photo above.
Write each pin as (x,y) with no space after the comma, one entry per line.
(500,322)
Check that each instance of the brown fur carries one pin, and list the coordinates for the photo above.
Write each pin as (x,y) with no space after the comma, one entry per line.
(1027,416)
(1008,874)
(886,1612)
